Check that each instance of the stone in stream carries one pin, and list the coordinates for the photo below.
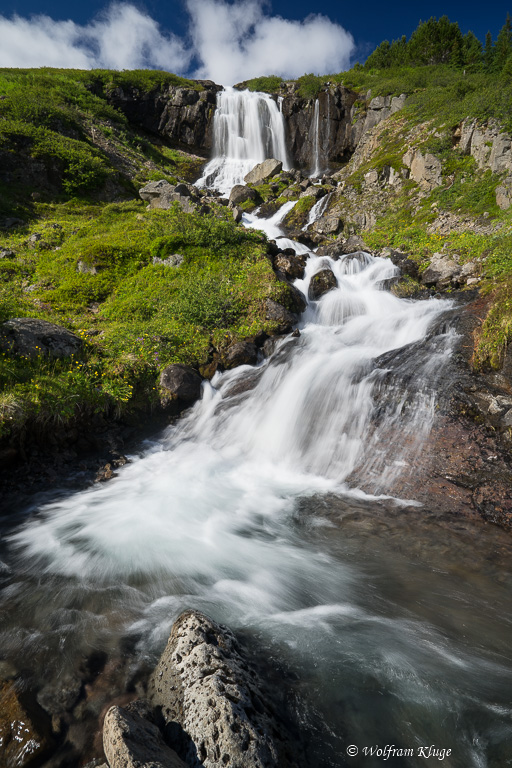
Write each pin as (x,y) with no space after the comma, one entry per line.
(211,700)
(240,194)
(278,314)
(181,383)
(241,353)
(25,730)
(321,283)
(132,741)
(263,171)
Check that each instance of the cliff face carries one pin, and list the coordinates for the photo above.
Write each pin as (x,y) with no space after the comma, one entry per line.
(183,116)
(330,131)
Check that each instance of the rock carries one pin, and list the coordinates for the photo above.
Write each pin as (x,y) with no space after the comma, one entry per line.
(442,272)
(34,239)
(180,382)
(11,222)
(425,169)
(407,266)
(241,353)
(237,214)
(86,269)
(7,254)
(174,260)
(131,741)
(32,337)
(25,730)
(321,283)
(61,697)
(203,683)
(276,313)
(240,193)
(328,225)
(504,194)
(161,194)
(342,246)
(263,171)
(295,299)
(292,266)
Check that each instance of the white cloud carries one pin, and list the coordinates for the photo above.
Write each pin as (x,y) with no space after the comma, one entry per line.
(236,42)
(121,38)
(230,42)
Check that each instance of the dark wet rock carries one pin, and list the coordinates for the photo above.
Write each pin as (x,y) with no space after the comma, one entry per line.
(60,696)
(240,194)
(183,116)
(132,741)
(25,729)
(293,266)
(204,684)
(321,283)
(264,171)
(402,260)
(276,313)
(295,300)
(241,353)
(180,383)
(32,337)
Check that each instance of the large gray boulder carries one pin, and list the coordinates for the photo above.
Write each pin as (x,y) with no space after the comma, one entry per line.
(180,383)
(240,193)
(32,337)
(321,283)
(203,683)
(131,741)
(263,171)
(161,194)
(442,272)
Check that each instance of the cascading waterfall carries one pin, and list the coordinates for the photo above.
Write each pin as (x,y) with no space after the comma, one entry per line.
(270,506)
(248,128)
(315,141)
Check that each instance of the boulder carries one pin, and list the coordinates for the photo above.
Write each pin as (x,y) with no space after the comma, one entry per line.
(161,194)
(504,194)
(425,169)
(203,683)
(32,337)
(342,246)
(328,225)
(241,353)
(442,272)
(240,193)
(263,171)
(7,253)
(321,283)
(291,266)
(406,265)
(180,383)
(276,313)
(174,260)
(25,730)
(131,741)
(295,299)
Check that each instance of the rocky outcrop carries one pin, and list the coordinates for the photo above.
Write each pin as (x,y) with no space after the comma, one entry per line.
(161,194)
(132,741)
(504,194)
(424,169)
(183,116)
(488,144)
(211,700)
(336,136)
(32,337)
(321,283)
(180,383)
(379,108)
(263,171)
(442,272)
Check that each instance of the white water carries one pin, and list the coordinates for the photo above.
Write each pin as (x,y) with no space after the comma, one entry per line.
(315,140)
(248,128)
(317,211)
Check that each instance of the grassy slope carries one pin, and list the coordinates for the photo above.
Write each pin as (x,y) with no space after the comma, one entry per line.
(92,270)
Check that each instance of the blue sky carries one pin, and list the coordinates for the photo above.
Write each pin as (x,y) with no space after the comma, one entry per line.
(226,40)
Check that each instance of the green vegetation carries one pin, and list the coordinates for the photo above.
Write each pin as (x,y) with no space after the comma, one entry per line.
(268,84)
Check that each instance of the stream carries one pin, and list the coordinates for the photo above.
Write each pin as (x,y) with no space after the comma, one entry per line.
(269,505)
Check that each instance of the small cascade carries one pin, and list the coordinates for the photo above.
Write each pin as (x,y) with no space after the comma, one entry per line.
(317,210)
(315,140)
(248,128)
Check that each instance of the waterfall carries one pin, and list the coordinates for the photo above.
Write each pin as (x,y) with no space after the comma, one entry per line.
(248,128)
(315,140)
